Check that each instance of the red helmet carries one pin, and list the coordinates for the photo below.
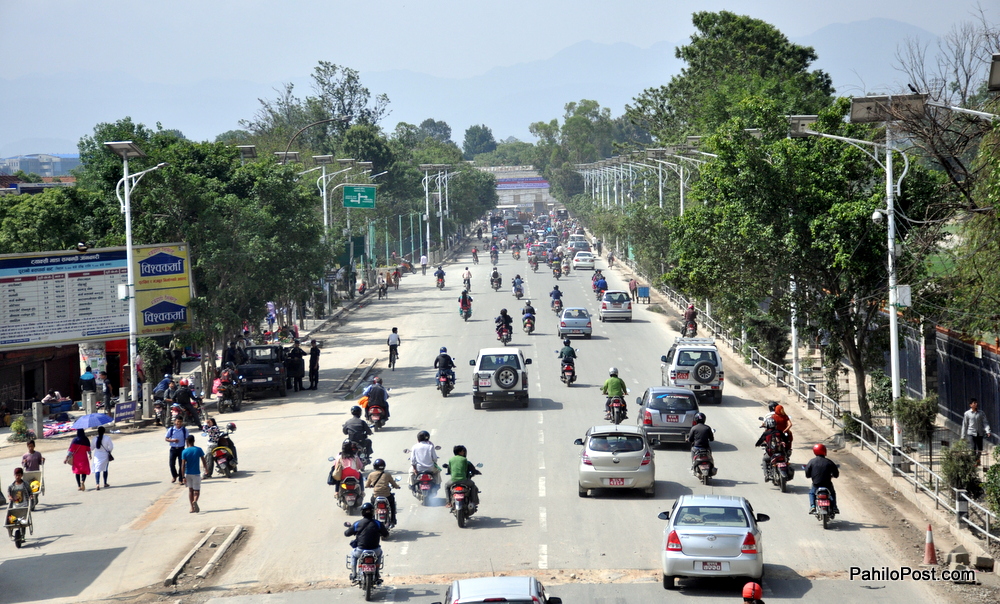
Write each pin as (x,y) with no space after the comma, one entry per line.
(184,382)
(819,449)
(752,590)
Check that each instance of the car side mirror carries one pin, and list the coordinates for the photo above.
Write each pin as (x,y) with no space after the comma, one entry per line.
(761,418)
(479,465)
(347,524)
(328,458)
(527,361)
(763,517)
(663,358)
(638,401)
(437,447)
(578,442)
(445,466)
(472,362)
(663,515)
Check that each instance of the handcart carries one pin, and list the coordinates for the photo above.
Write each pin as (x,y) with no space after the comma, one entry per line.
(17,521)
(30,478)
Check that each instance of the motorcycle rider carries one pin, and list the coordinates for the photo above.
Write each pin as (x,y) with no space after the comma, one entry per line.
(822,471)
(358,430)
(475,255)
(445,364)
(527,312)
(439,273)
(502,321)
(601,284)
(183,398)
(752,593)
(690,316)
(568,355)
(465,301)
(700,437)
(467,278)
(555,294)
(161,388)
(423,458)
(381,483)
(518,285)
(377,395)
(495,278)
(369,537)
(613,387)
(461,471)
(770,438)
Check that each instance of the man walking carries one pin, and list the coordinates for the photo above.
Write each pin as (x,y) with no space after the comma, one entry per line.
(88,381)
(176,353)
(177,437)
(194,459)
(633,288)
(314,365)
(423,264)
(105,391)
(297,365)
(974,426)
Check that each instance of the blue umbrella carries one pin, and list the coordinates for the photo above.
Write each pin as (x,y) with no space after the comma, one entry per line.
(92,420)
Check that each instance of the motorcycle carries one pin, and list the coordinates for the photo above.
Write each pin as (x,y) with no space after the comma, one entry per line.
(468,284)
(600,293)
(475,258)
(495,284)
(423,486)
(494,258)
(221,455)
(565,268)
(690,329)
(382,509)
(445,384)
(617,410)
(461,501)
(158,412)
(518,292)
(376,417)
(369,570)
(466,312)
(824,506)
(440,282)
(776,467)
(516,254)
(704,464)
(528,323)
(231,395)
(534,265)
(505,335)
(568,373)
(557,272)
(557,306)
(177,411)
(350,493)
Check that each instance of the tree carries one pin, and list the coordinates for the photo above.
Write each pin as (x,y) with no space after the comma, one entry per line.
(730,58)
(51,220)
(515,153)
(27,176)
(439,131)
(478,139)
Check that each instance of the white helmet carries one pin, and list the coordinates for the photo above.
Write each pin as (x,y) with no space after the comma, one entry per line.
(613,371)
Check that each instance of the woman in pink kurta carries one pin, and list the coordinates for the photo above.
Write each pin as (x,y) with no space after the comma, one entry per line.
(79,456)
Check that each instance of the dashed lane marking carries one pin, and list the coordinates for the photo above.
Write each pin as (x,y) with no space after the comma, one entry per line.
(543,556)
(541,461)
(541,437)
(541,486)
(543,524)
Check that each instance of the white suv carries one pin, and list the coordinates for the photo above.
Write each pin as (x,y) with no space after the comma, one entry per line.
(500,374)
(694,364)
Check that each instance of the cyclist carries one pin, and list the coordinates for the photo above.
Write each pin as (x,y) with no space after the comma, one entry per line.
(394,343)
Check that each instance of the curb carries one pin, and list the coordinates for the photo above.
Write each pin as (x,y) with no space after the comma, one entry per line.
(172,577)
(364,374)
(237,531)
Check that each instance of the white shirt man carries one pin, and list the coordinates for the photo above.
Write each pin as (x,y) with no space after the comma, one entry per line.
(423,458)
(423,260)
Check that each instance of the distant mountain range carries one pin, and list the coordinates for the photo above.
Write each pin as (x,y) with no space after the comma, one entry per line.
(859,57)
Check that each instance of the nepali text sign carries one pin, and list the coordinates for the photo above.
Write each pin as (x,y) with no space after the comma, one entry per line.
(359,196)
(125,411)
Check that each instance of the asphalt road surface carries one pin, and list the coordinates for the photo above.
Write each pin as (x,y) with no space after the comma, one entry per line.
(530,519)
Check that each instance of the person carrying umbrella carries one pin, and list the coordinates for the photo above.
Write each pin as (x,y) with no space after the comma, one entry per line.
(79,456)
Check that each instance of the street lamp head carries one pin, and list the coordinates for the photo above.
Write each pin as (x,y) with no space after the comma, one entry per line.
(799,125)
(346,162)
(877,217)
(247,151)
(82,247)
(322,160)
(993,83)
(286,156)
(364,164)
(125,149)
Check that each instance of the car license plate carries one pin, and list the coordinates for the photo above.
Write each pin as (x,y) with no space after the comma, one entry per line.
(683,376)
(259,380)
(616,482)
(616,305)
(367,568)
(485,382)
(575,331)
(823,503)
(673,419)
(711,566)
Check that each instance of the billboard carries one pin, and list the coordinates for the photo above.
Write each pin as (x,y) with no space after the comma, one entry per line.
(51,298)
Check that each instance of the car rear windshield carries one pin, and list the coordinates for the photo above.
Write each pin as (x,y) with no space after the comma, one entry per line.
(616,297)
(617,443)
(672,402)
(491,362)
(575,313)
(700,515)
(261,355)
(689,358)
(583,256)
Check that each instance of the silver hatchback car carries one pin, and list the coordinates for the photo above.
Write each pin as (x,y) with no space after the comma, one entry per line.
(666,414)
(575,321)
(712,536)
(616,304)
(498,589)
(616,457)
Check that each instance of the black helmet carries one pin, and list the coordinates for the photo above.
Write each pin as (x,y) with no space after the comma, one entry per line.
(423,435)
(229,365)
(367,510)
(231,427)
(356,411)
(503,311)
(771,405)
(557,287)
(699,419)
(379,464)
(459,450)
(566,342)
(347,448)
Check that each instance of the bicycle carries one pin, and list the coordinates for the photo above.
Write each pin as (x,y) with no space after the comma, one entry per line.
(393,355)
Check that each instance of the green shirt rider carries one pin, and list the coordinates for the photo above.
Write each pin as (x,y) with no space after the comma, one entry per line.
(568,354)
(613,387)
(461,471)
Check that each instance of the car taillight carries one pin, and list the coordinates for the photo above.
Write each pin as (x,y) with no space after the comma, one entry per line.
(673,542)
(562,323)
(749,545)
(647,420)
(646,459)
(588,324)
(586,460)
(604,305)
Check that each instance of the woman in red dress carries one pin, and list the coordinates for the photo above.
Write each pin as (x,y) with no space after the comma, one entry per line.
(79,457)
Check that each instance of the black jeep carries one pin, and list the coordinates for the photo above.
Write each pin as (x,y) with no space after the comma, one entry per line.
(264,369)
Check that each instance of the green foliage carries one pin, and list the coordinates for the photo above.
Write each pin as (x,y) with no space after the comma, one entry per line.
(958,464)
(768,336)
(880,392)
(478,140)
(515,153)
(27,176)
(437,130)
(991,485)
(917,417)
(153,358)
(19,431)
(54,219)
(851,425)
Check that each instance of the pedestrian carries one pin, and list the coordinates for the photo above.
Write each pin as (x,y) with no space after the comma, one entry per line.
(633,288)
(176,353)
(176,436)
(19,491)
(79,457)
(423,264)
(102,457)
(32,460)
(296,365)
(974,425)
(194,459)
(105,389)
(314,365)
(395,278)
(88,381)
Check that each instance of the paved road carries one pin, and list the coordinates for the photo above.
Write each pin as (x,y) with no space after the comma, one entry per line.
(531,519)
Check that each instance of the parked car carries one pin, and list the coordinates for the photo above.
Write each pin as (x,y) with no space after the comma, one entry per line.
(616,457)
(712,536)
(695,364)
(575,321)
(583,260)
(616,304)
(498,589)
(579,246)
(264,369)
(666,414)
(499,374)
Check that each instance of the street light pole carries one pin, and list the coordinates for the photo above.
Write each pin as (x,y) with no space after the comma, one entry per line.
(897,429)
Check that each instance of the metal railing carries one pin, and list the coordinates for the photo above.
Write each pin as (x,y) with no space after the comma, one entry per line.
(978,519)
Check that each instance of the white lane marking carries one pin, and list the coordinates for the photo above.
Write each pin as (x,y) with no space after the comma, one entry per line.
(434,430)
(541,437)
(635,381)
(541,460)
(541,418)
(541,486)
(404,549)
(543,523)
(543,556)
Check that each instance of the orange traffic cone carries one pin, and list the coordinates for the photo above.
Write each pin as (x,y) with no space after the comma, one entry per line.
(930,556)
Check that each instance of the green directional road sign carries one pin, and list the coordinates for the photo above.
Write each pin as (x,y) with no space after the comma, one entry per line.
(359,196)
